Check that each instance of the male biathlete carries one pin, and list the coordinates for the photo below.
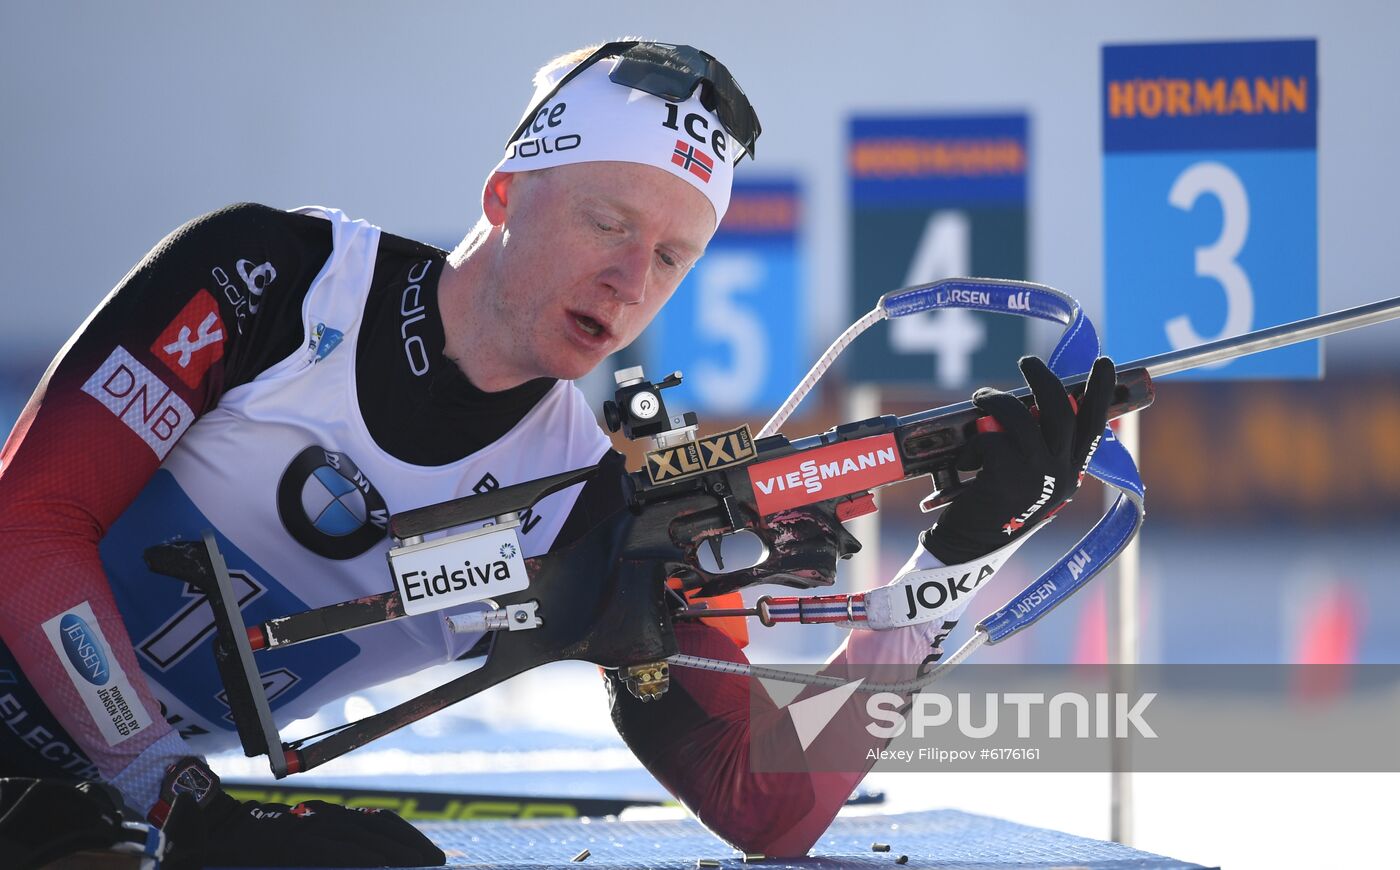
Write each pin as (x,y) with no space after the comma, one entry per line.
(290,379)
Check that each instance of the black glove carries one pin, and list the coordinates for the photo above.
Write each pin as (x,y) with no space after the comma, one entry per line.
(1030,469)
(207,826)
(44,820)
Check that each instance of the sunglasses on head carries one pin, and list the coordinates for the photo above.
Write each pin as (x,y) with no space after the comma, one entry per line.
(671,72)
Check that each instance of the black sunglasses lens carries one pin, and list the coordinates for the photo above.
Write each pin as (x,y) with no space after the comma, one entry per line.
(672,72)
(653,70)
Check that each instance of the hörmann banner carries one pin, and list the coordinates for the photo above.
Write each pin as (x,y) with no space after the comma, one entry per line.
(937,196)
(1210,198)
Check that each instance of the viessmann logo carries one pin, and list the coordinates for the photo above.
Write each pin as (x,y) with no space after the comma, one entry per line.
(825,472)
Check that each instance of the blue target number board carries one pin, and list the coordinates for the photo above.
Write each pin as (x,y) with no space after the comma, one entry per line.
(1210,199)
(735,327)
(933,197)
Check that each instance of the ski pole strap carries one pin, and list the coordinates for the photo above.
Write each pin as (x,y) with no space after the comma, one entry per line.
(1074,354)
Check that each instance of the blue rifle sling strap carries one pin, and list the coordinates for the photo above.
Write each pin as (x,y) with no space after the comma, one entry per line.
(1075,353)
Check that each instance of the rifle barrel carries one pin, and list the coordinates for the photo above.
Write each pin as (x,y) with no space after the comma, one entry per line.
(1267,339)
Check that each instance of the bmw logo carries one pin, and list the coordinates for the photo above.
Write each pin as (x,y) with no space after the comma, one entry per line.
(329,506)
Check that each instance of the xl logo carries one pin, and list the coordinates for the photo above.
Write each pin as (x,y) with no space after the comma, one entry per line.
(696,127)
(707,454)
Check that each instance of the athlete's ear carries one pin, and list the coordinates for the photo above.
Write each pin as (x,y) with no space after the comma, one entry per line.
(495,196)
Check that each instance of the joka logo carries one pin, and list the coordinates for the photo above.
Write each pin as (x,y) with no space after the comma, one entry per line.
(825,472)
(692,159)
(329,506)
(707,454)
(935,594)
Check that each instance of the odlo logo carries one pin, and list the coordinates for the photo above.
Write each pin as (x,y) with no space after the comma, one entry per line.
(545,120)
(83,650)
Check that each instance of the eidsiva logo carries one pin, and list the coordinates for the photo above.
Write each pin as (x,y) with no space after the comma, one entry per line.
(328,505)
(83,649)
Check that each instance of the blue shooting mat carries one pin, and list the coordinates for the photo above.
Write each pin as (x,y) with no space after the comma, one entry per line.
(941,838)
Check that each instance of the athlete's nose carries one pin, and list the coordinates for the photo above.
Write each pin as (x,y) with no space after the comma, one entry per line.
(627,276)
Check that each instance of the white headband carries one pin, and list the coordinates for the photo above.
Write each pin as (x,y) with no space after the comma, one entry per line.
(591,118)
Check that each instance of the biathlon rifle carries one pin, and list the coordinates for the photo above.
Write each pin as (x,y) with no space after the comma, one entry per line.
(604,599)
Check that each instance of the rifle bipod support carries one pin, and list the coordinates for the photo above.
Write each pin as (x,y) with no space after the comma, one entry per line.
(587,603)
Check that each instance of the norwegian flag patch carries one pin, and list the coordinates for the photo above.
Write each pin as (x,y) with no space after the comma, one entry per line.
(692,159)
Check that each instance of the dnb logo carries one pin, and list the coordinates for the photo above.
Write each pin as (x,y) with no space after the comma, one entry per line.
(329,506)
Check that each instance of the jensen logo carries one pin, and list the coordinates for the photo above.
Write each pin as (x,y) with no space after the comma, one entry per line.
(83,650)
(709,453)
(825,472)
(96,674)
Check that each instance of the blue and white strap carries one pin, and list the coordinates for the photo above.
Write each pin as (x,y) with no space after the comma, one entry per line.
(1075,353)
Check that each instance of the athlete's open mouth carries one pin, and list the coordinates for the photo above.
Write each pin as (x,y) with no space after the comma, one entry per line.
(589,325)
